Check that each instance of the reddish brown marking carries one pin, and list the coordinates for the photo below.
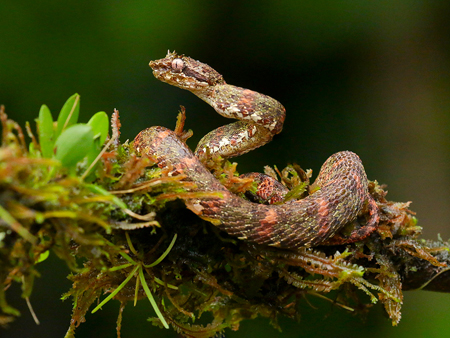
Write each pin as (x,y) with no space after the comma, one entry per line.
(210,207)
(323,222)
(359,185)
(245,112)
(324,230)
(189,162)
(250,131)
(271,218)
(323,207)
(248,92)
(266,229)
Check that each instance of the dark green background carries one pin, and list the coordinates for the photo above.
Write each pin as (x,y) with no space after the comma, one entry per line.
(367,76)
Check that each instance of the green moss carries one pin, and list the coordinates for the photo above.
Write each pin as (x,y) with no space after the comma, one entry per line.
(120,215)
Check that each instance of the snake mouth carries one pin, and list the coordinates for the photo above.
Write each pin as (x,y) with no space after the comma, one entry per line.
(162,70)
(153,65)
(165,65)
(160,66)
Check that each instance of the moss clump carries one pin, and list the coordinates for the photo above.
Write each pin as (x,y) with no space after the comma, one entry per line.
(124,218)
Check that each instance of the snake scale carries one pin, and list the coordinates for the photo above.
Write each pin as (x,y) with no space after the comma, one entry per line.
(342,183)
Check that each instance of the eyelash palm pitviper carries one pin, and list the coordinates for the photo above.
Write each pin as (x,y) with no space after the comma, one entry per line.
(342,183)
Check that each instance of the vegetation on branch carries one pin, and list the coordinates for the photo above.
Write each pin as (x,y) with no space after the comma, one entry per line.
(76,190)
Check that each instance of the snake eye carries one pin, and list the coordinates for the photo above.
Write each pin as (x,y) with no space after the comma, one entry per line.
(177,65)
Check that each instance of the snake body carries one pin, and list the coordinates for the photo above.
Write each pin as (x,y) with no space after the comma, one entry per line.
(343,186)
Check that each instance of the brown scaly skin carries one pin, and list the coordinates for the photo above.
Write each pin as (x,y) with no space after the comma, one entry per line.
(261,117)
(343,193)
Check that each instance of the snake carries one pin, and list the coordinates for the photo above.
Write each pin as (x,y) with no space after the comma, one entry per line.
(341,195)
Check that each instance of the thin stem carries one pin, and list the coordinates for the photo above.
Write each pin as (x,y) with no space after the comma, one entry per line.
(116,291)
(164,254)
(151,299)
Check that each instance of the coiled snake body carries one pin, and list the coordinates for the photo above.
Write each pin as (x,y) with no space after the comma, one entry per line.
(343,193)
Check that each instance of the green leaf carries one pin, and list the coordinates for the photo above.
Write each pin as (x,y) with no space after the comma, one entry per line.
(43,256)
(116,291)
(165,253)
(46,132)
(100,125)
(69,114)
(151,299)
(99,190)
(74,144)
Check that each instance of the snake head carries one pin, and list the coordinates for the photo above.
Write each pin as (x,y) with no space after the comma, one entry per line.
(184,72)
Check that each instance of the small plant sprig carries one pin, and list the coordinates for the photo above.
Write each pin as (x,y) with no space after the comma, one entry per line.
(69,141)
(139,271)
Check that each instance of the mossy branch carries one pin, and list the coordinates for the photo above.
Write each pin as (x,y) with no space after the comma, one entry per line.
(121,214)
